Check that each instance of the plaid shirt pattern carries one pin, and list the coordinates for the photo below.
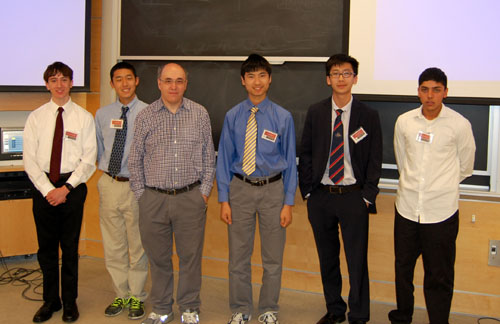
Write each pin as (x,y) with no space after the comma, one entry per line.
(171,151)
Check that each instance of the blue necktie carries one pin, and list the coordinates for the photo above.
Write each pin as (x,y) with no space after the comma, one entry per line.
(336,161)
(115,161)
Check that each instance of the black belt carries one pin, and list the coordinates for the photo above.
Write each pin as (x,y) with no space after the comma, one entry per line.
(62,176)
(177,191)
(117,178)
(258,182)
(340,190)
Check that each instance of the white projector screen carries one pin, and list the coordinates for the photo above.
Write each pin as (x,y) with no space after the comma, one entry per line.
(37,33)
(395,40)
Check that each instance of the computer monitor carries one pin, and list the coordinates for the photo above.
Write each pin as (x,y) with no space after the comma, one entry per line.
(11,143)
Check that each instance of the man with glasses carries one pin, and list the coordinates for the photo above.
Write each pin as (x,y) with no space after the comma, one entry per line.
(340,163)
(172,167)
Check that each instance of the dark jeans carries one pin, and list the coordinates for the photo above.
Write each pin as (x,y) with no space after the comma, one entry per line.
(56,227)
(326,212)
(436,243)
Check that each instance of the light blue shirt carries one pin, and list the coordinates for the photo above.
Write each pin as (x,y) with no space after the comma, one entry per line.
(272,156)
(106,135)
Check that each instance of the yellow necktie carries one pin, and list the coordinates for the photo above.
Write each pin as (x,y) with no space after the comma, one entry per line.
(250,143)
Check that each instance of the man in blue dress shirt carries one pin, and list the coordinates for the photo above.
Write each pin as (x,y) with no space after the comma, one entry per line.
(256,177)
(124,256)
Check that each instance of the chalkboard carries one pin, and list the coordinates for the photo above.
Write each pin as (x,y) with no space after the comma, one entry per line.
(217,86)
(312,28)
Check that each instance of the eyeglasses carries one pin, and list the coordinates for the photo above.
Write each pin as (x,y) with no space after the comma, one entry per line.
(345,74)
(170,82)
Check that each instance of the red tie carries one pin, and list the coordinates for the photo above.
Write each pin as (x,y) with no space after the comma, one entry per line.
(55,157)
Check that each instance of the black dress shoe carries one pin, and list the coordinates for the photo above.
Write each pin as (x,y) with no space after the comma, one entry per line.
(330,318)
(70,312)
(357,322)
(45,312)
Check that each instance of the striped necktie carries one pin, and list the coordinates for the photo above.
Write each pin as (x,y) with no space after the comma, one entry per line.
(250,143)
(115,161)
(336,162)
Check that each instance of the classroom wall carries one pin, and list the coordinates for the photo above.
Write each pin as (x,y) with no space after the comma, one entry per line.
(477,285)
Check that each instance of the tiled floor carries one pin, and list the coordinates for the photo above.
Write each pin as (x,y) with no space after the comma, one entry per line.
(96,292)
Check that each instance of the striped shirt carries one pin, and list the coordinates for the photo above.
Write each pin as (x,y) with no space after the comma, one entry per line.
(171,151)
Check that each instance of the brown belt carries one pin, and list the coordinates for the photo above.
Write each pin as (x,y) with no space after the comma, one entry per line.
(177,191)
(258,182)
(340,190)
(117,178)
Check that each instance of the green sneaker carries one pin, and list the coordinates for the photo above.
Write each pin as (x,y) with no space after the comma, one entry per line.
(116,307)
(136,308)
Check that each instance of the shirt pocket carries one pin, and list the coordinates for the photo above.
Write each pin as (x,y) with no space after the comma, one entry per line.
(267,144)
(72,143)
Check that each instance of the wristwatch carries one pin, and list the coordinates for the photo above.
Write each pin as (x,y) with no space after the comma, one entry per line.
(69,186)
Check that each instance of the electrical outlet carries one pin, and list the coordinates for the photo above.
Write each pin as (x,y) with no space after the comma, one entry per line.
(494,253)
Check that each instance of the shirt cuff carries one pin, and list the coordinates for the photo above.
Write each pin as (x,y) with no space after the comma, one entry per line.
(223,196)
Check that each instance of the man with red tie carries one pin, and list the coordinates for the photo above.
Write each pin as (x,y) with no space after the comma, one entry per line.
(340,160)
(59,157)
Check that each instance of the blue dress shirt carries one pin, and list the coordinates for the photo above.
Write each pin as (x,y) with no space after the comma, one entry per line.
(106,135)
(271,157)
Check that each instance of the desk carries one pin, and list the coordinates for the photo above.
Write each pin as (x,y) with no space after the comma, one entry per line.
(17,226)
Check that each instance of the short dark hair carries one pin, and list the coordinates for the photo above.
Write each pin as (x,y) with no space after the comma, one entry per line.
(255,62)
(122,65)
(57,67)
(433,74)
(339,59)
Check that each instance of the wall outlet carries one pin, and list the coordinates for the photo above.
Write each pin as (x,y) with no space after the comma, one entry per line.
(494,253)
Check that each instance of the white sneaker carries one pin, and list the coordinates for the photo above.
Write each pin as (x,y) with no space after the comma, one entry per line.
(154,318)
(190,317)
(239,318)
(269,318)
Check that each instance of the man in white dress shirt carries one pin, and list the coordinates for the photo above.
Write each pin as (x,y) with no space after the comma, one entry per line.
(59,157)
(434,149)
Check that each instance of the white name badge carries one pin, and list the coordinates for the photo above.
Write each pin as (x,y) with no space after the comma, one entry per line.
(116,123)
(359,135)
(269,136)
(70,135)
(424,137)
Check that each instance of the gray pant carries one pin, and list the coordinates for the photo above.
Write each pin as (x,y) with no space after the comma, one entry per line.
(246,202)
(161,216)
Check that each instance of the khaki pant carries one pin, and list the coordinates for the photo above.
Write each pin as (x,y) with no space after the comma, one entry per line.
(124,256)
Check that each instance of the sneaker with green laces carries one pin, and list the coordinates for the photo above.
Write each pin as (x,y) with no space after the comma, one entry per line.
(136,308)
(116,307)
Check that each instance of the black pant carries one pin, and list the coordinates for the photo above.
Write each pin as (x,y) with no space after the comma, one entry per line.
(436,243)
(59,226)
(326,211)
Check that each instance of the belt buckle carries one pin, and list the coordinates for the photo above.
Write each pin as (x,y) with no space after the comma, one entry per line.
(259,183)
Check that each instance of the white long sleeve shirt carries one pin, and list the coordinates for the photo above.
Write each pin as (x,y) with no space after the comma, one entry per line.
(433,157)
(79,144)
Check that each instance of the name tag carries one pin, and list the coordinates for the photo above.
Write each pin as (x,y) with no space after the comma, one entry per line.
(424,137)
(358,135)
(116,123)
(269,136)
(70,135)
